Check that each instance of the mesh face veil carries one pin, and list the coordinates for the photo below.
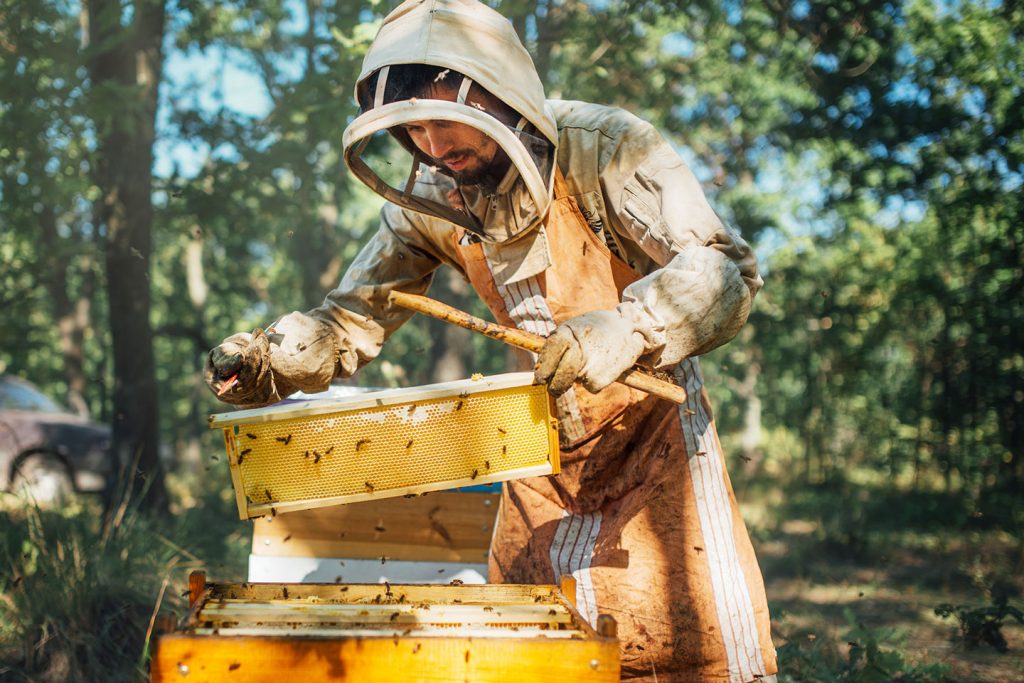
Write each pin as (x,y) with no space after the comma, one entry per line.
(390,102)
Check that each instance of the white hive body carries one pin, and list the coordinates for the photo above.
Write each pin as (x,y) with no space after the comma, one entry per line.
(398,442)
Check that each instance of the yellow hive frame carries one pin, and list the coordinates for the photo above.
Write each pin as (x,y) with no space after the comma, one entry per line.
(398,442)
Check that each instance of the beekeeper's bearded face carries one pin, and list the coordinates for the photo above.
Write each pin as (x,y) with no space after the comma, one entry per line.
(462,149)
(459,135)
(472,156)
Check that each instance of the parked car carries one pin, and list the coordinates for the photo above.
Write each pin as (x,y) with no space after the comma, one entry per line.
(48,451)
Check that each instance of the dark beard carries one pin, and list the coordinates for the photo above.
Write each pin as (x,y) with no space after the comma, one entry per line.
(486,177)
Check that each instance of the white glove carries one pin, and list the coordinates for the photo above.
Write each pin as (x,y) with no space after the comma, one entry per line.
(594,348)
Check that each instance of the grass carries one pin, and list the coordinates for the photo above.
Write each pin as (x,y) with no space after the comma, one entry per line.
(77,600)
(854,573)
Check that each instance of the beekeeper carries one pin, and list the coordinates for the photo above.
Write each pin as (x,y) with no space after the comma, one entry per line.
(578,222)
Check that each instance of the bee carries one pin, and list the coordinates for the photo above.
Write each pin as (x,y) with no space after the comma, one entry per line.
(273,512)
(286,538)
(284,439)
(408,445)
(487,464)
(361,444)
(394,616)
(284,592)
(458,405)
(416,648)
(316,457)
(380,529)
(368,486)
(328,451)
(504,449)
(502,431)
(251,436)
(475,474)
(242,455)
(464,394)
(383,559)
(307,455)
(214,457)
(267,491)
(246,451)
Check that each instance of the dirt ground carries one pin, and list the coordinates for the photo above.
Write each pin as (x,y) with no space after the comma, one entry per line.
(814,588)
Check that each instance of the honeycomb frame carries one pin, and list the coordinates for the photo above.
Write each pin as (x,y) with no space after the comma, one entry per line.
(397,442)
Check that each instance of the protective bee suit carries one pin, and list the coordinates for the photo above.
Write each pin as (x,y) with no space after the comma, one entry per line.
(596,215)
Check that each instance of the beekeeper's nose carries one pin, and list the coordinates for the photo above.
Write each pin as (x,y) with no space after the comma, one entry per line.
(432,138)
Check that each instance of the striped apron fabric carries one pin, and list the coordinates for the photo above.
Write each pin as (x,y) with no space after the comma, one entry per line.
(643,514)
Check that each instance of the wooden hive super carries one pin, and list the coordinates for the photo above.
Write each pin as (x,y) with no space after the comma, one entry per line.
(268,633)
(400,442)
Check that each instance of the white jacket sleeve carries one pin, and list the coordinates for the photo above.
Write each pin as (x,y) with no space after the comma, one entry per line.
(700,296)
(350,327)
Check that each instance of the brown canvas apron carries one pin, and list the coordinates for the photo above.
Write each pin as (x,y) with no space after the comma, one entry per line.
(643,514)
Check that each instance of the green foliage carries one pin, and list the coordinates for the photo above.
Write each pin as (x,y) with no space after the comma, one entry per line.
(983,624)
(865,659)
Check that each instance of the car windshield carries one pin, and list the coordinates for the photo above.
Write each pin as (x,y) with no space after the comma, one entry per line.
(18,396)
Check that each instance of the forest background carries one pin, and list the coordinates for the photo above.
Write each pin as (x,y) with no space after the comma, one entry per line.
(170,173)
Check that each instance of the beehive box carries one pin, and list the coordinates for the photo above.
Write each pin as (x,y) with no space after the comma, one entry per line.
(268,633)
(399,442)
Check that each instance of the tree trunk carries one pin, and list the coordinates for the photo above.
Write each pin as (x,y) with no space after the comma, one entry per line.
(125,61)
(66,313)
